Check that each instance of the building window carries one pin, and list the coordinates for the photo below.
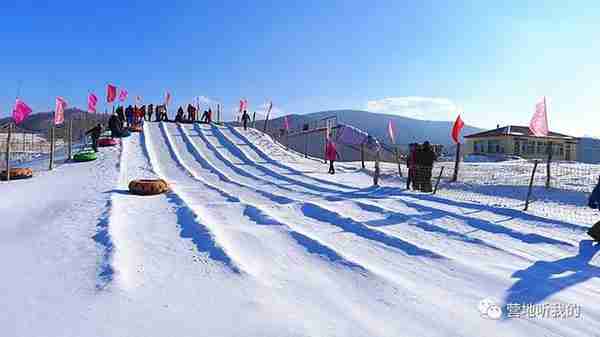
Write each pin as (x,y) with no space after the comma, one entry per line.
(517,147)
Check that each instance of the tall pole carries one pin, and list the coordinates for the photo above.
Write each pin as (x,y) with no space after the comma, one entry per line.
(70,135)
(8,139)
(51,165)
(456,163)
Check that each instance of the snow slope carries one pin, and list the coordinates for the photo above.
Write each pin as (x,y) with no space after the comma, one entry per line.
(254,240)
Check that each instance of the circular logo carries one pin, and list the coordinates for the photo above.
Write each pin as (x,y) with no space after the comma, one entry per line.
(489,308)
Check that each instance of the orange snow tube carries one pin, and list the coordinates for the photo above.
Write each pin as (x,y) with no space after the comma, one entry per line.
(17,173)
(136,128)
(148,186)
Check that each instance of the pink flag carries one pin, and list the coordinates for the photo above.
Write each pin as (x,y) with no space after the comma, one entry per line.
(20,112)
(123,95)
(539,121)
(241,105)
(286,123)
(92,101)
(391,132)
(111,93)
(167,98)
(59,112)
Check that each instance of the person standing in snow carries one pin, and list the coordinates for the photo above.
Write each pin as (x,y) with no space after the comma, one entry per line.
(149,112)
(245,119)
(209,116)
(129,115)
(179,116)
(331,154)
(120,114)
(594,203)
(95,133)
(428,157)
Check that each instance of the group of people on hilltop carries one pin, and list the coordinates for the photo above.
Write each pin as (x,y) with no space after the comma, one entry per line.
(420,161)
(190,115)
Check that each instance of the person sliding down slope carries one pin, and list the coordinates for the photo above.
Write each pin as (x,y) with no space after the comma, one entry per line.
(95,133)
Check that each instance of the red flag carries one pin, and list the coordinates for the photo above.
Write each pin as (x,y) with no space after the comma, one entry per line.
(92,101)
(59,112)
(457,128)
(20,112)
(539,122)
(167,98)
(111,93)
(391,132)
(286,123)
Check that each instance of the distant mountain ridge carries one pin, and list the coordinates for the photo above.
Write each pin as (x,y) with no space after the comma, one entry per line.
(407,130)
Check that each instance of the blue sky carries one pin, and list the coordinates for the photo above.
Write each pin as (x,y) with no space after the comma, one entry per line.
(415,58)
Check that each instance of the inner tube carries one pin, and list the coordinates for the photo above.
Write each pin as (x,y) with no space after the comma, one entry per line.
(17,173)
(136,128)
(104,142)
(148,186)
(85,155)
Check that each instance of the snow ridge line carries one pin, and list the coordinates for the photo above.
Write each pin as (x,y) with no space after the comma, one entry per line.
(271,161)
(254,212)
(319,213)
(203,237)
(477,223)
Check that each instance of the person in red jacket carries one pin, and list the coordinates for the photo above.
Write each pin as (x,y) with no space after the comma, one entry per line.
(331,154)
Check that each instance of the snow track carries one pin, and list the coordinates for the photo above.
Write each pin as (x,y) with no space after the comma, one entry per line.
(264,238)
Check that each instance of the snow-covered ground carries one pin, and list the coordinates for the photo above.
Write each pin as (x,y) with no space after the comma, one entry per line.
(253,240)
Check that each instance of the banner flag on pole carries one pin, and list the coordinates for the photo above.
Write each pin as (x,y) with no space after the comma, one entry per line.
(111,93)
(123,95)
(286,123)
(457,128)
(539,122)
(59,112)
(391,132)
(167,98)
(20,112)
(92,101)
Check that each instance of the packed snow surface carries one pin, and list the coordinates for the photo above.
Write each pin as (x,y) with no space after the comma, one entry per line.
(254,240)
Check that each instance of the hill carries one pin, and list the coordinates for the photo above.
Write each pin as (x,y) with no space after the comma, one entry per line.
(407,130)
(40,122)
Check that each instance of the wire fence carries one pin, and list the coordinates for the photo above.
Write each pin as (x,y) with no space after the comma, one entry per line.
(32,148)
(557,190)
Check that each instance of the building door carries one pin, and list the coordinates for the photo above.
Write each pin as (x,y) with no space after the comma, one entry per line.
(568,153)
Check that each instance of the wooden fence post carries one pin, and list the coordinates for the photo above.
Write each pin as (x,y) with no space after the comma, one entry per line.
(254,120)
(535,164)
(548,161)
(437,183)
(377,169)
(305,144)
(456,163)
(8,139)
(362,155)
(51,165)
(398,161)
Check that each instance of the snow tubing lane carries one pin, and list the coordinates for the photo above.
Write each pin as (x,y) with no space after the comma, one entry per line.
(136,128)
(17,173)
(104,142)
(148,186)
(83,156)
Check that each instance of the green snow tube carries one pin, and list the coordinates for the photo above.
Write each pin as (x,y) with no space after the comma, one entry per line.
(86,155)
